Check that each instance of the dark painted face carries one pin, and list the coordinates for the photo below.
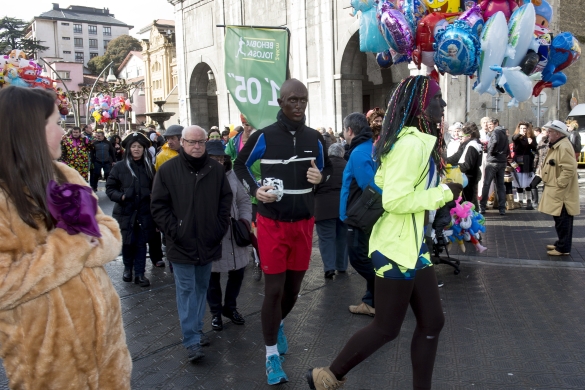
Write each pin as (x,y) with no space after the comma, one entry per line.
(294,104)
(436,108)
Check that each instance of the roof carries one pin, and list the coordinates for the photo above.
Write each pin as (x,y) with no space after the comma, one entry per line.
(127,58)
(82,14)
(158,23)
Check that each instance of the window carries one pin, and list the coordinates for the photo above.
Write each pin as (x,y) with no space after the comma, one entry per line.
(92,30)
(77,28)
(64,24)
(91,55)
(78,56)
(66,38)
(93,43)
(65,75)
(106,44)
(66,51)
(107,31)
(78,42)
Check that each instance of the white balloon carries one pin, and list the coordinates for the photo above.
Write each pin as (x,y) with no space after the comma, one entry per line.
(493,52)
(521,34)
(516,83)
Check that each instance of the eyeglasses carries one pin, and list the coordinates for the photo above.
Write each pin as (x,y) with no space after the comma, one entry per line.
(215,136)
(194,141)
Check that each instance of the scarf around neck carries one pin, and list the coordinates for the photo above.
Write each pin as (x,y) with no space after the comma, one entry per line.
(195,162)
(289,123)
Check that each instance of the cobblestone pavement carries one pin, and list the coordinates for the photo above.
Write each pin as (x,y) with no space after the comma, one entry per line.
(512,322)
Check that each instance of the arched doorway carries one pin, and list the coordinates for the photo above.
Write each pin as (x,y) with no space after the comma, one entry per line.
(361,84)
(203,97)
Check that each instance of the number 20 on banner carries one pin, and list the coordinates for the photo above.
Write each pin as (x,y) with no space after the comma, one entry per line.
(250,90)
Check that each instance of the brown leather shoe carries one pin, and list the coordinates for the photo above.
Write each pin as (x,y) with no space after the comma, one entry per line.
(555,252)
(550,247)
(363,308)
(323,379)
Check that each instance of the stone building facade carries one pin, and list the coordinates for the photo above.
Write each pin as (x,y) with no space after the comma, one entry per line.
(324,54)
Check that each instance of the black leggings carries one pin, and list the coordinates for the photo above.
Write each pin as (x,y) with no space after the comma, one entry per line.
(280,295)
(393,298)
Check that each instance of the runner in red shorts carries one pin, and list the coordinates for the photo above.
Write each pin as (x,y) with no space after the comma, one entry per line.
(293,159)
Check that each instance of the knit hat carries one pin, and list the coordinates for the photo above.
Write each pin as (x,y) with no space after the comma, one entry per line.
(174,130)
(215,148)
(136,137)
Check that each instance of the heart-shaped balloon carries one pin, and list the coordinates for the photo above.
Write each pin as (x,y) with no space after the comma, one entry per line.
(395,29)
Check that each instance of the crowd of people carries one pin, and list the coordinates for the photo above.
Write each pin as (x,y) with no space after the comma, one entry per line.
(207,196)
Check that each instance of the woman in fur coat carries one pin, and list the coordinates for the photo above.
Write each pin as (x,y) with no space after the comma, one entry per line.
(60,318)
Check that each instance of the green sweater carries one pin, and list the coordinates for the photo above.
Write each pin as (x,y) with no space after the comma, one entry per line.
(398,234)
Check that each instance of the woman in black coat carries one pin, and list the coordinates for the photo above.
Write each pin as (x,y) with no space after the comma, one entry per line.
(468,157)
(524,149)
(116,142)
(130,185)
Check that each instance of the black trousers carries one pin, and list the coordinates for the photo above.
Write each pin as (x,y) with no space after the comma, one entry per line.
(494,171)
(96,171)
(155,248)
(358,243)
(232,290)
(564,228)
(134,253)
(470,192)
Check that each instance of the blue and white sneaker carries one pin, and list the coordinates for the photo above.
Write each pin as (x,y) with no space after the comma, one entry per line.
(274,370)
(281,342)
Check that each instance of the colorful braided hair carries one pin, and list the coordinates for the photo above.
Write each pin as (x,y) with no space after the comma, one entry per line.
(405,109)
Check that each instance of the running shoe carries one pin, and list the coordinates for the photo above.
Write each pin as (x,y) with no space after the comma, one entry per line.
(274,370)
(281,342)
(323,379)
(194,352)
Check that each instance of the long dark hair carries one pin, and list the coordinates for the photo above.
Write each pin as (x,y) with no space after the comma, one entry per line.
(146,159)
(26,164)
(405,109)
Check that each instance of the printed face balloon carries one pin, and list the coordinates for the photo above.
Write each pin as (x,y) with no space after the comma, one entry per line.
(492,52)
(427,29)
(520,34)
(395,29)
(442,5)
(457,50)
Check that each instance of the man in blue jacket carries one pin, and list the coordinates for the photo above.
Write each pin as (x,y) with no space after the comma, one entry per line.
(358,174)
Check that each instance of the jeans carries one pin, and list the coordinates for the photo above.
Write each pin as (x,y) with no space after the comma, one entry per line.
(191,283)
(332,234)
(96,171)
(494,170)
(357,247)
(232,290)
(564,228)
(134,254)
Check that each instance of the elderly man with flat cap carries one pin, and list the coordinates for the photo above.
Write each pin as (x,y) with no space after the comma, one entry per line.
(293,159)
(560,197)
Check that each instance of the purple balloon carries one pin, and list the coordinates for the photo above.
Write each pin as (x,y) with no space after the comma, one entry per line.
(395,29)
(474,19)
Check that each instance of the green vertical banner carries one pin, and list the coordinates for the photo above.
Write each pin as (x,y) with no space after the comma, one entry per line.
(255,68)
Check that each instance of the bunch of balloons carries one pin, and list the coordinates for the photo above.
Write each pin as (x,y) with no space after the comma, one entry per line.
(17,70)
(466,225)
(505,44)
(106,109)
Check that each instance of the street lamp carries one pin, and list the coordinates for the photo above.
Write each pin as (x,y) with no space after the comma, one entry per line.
(111,77)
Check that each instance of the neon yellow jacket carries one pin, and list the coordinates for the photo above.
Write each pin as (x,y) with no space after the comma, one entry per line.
(399,232)
(164,155)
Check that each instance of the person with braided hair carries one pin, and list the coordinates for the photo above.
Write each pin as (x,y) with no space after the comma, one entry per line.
(410,163)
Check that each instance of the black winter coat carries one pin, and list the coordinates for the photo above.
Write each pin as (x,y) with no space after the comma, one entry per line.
(524,152)
(498,147)
(327,195)
(472,156)
(192,209)
(135,208)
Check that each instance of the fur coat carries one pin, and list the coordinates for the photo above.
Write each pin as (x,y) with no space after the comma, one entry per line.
(60,317)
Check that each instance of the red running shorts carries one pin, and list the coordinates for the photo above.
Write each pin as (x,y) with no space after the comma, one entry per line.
(284,246)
